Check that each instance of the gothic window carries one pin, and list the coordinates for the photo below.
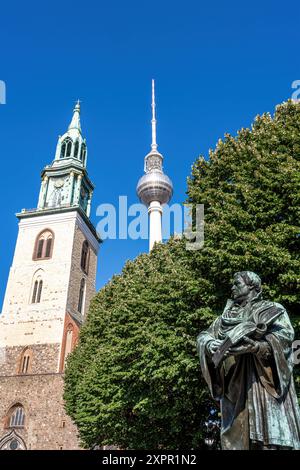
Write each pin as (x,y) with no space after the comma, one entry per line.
(25,361)
(85,257)
(83,153)
(48,247)
(12,441)
(43,245)
(66,148)
(63,150)
(37,291)
(16,417)
(76,149)
(40,248)
(35,288)
(81,295)
(69,147)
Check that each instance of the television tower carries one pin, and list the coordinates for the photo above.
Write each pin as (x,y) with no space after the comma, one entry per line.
(154,188)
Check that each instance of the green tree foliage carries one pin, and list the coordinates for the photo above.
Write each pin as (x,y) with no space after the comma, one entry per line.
(135,365)
(134,379)
(251,191)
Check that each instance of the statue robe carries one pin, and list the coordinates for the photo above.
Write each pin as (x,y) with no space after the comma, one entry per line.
(257,394)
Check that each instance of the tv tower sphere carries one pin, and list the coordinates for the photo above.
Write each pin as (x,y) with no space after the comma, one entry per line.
(154,188)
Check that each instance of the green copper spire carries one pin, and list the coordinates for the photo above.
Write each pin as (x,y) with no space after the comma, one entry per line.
(75,123)
(72,144)
(65,182)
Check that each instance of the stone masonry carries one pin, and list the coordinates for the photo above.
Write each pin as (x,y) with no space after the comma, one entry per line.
(42,329)
(46,424)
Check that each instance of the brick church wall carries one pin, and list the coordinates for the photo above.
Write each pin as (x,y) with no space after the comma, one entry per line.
(42,328)
(44,359)
(77,273)
(46,424)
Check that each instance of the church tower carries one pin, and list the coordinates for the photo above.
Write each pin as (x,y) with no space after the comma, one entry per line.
(50,285)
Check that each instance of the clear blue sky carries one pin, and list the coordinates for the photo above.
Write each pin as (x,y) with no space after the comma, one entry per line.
(216,64)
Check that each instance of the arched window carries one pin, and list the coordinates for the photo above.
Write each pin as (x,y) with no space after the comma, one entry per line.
(40,248)
(37,290)
(66,148)
(63,150)
(69,147)
(85,257)
(83,153)
(76,148)
(25,361)
(12,441)
(81,296)
(43,245)
(16,417)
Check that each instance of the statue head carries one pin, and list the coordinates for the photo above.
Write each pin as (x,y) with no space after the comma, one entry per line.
(246,286)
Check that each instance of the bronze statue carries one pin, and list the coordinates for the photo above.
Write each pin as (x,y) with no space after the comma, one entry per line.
(246,359)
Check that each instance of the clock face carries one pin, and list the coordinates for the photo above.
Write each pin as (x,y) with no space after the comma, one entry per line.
(59,183)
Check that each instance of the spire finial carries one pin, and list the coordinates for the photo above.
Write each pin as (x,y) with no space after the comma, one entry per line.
(153,121)
(75,123)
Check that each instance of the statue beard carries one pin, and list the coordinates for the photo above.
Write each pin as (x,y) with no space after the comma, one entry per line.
(241,300)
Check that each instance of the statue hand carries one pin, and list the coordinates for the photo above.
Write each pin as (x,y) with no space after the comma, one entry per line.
(213,346)
(265,351)
(251,347)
